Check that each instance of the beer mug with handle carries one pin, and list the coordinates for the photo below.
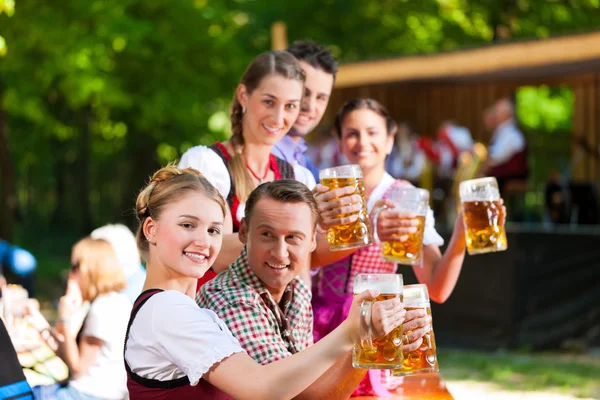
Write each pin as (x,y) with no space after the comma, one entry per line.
(423,359)
(378,352)
(483,216)
(357,233)
(409,251)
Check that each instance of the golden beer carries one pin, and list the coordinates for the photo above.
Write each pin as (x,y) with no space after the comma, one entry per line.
(357,233)
(378,352)
(413,200)
(483,216)
(484,222)
(423,359)
(409,251)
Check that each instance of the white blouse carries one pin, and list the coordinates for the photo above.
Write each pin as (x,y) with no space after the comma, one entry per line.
(211,165)
(172,337)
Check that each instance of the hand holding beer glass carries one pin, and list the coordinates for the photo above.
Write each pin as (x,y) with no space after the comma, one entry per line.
(397,247)
(343,208)
(384,351)
(483,215)
(424,358)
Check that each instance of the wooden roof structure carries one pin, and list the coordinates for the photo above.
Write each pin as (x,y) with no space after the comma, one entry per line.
(460,85)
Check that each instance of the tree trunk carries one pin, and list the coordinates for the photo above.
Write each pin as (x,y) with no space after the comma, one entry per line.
(84,174)
(8,198)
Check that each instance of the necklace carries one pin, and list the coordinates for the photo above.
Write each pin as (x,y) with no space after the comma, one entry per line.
(259,179)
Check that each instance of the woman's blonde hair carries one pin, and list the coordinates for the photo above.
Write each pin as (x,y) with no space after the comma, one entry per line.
(99,269)
(280,63)
(169,185)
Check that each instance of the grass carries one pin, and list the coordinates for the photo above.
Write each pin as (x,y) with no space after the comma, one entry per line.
(576,375)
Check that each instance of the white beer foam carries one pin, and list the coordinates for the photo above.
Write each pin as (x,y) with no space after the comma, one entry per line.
(479,190)
(383,287)
(342,171)
(415,295)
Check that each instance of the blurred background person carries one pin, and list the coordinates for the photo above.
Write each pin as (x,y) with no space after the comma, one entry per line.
(94,355)
(507,153)
(406,161)
(19,264)
(451,140)
(123,243)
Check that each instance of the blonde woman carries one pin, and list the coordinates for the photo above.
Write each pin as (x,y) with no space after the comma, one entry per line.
(95,361)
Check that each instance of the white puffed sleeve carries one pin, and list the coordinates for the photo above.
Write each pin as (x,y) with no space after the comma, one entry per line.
(430,235)
(303,175)
(209,163)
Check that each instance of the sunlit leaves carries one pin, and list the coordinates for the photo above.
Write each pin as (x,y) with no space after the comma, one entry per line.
(545,109)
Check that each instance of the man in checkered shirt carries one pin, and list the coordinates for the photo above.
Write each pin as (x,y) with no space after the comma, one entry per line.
(261,299)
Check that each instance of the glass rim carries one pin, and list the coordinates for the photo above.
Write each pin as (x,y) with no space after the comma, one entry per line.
(341,171)
(479,181)
(423,193)
(395,280)
(423,298)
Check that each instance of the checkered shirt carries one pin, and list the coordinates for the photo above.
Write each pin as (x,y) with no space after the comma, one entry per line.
(236,296)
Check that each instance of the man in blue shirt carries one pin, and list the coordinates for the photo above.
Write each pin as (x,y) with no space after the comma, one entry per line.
(320,68)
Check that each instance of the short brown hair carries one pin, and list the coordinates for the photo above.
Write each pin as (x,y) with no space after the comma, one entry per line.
(168,185)
(99,269)
(283,191)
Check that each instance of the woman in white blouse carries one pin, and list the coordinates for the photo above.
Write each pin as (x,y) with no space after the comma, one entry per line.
(264,108)
(175,349)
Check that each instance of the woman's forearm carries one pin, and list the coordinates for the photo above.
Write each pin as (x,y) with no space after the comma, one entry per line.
(324,256)
(440,272)
(68,351)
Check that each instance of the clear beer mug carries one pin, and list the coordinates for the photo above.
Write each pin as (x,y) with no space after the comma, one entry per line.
(378,352)
(483,216)
(357,233)
(409,251)
(423,359)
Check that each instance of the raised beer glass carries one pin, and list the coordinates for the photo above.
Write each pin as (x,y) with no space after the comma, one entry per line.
(423,359)
(409,251)
(483,216)
(357,233)
(377,352)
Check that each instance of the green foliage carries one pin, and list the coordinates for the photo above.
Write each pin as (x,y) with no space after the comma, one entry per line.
(98,94)
(545,109)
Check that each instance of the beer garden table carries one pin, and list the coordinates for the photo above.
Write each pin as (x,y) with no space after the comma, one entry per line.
(419,387)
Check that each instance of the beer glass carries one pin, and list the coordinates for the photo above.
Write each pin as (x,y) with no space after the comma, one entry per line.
(423,359)
(409,251)
(483,216)
(357,233)
(381,352)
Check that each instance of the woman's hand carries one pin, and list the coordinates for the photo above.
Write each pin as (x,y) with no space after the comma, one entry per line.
(67,306)
(386,316)
(337,207)
(394,225)
(416,325)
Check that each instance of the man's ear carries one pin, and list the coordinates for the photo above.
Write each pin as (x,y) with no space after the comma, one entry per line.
(313,244)
(243,232)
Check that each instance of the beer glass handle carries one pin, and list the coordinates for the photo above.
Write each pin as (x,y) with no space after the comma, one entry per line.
(374,220)
(366,340)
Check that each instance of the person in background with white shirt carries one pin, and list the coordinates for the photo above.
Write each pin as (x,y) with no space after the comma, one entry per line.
(507,153)
(123,243)
(95,361)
